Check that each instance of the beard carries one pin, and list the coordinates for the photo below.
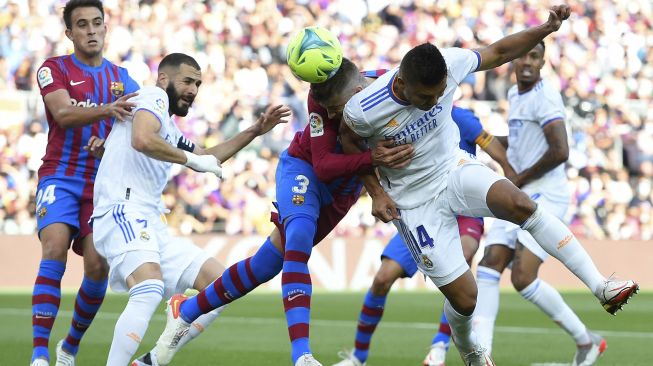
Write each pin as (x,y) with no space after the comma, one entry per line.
(173,99)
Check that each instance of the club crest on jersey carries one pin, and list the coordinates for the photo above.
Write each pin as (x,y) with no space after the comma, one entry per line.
(427,262)
(42,212)
(117,88)
(145,236)
(317,125)
(44,77)
(160,105)
(298,200)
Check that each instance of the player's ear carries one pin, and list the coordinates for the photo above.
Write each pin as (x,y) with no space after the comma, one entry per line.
(69,34)
(400,83)
(162,80)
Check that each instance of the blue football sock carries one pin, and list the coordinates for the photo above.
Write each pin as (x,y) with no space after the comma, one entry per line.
(296,284)
(235,282)
(46,298)
(88,301)
(369,318)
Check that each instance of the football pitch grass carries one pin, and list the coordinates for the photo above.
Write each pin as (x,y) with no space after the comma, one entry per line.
(252,331)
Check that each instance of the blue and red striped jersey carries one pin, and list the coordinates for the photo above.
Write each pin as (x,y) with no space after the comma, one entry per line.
(318,144)
(88,87)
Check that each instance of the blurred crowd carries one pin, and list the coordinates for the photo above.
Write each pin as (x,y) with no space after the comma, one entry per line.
(602,60)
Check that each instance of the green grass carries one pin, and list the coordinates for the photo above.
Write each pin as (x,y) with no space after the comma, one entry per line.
(252,331)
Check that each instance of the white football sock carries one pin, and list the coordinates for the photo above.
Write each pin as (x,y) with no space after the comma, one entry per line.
(461,328)
(554,237)
(487,305)
(198,326)
(132,324)
(549,300)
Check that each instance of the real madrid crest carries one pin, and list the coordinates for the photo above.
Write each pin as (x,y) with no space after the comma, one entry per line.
(145,236)
(427,262)
(298,200)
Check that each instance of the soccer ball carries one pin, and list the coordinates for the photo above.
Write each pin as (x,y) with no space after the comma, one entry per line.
(314,54)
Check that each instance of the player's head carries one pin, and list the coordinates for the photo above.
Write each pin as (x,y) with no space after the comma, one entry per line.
(85,26)
(528,67)
(334,93)
(422,76)
(180,76)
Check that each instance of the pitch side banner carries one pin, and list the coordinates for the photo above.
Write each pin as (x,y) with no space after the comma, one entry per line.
(337,264)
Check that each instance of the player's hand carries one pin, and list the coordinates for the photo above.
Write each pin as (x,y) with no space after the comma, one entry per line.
(384,208)
(385,153)
(514,179)
(121,109)
(95,146)
(272,116)
(558,14)
(203,163)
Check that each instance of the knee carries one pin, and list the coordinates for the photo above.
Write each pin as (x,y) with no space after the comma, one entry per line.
(522,208)
(521,279)
(382,283)
(96,269)
(55,249)
(466,304)
(300,232)
(495,259)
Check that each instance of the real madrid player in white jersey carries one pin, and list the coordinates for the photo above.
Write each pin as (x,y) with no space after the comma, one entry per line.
(412,104)
(537,150)
(133,172)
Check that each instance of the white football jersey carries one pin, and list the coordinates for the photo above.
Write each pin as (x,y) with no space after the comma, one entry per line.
(377,114)
(528,114)
(126,175)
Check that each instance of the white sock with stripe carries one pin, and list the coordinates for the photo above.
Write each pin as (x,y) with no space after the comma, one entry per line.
(554,237)
(198,326)
(461,328)
(130,328)
(549,300)
(487,305)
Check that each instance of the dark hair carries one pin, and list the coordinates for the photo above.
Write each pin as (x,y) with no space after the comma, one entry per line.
(424,64)
(176,59)
(324,91)
(74,4)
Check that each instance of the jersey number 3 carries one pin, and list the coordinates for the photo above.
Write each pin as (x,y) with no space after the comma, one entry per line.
(302,185)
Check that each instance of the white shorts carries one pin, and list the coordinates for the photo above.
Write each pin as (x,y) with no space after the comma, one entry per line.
(431,230)
(506,233)
(129,236)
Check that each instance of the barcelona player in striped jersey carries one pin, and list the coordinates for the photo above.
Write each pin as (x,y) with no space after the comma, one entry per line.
(83,94)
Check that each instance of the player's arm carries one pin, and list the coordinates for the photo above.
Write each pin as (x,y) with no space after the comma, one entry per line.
(557,153)
(146,139)
(69,116)
(383,207)
(497,151)
(272,116)
(518,44)
(503,140)
(328,164)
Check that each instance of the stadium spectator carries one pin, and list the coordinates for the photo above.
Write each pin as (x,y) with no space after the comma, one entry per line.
(602,60)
